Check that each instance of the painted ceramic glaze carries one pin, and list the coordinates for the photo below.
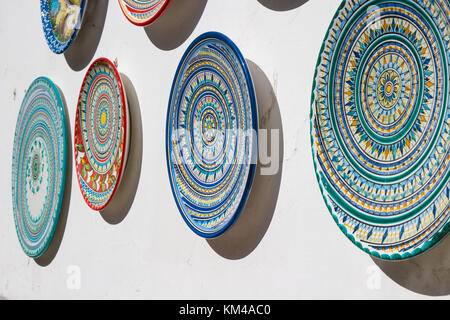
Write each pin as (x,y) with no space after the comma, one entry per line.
(101,133)
(380,123)
(143,12)
(39,166)
(212,125)
(61,20)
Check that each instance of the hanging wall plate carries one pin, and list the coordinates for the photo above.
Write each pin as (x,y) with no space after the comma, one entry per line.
(211,135)
(380,123)
(61,20)
(143,12)
(39,166)
(101,133)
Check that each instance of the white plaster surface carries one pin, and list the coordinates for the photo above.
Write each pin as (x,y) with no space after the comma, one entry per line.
(151,253)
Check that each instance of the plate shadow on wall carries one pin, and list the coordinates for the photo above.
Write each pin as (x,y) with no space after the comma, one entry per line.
(83,48)
(176,24)
(427,273)
(47,257)
(249,229)
(121,202)
(282,5)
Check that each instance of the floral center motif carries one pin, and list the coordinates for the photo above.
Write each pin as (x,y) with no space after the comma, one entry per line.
(388,89)
(209,126)
(35,166)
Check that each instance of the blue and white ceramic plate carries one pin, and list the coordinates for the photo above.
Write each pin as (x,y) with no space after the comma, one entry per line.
(211,135)
(380,124)
(39,166)
(61,20)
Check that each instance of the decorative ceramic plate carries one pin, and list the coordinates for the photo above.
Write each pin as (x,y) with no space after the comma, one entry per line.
(211,135)
(101,133)
(61,20)
(39,166)
(143,12)
(380,123)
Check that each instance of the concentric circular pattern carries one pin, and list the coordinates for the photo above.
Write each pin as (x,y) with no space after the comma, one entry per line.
(39,166)
(211,134)
(380,123)
(101,132)
(143,12)
(61,20)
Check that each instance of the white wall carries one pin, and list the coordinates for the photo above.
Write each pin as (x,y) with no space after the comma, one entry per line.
(152,253)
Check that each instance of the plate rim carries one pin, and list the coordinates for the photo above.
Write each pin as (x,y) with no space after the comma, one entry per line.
(148,21)
(126,131)
(428,244)
(255,126)
(49,35)
(55,219)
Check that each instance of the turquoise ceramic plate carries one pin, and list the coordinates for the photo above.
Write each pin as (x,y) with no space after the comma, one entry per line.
(380,124)
(39,166)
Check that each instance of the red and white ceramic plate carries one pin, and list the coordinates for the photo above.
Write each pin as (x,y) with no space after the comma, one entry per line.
(101,133)
(143,12)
